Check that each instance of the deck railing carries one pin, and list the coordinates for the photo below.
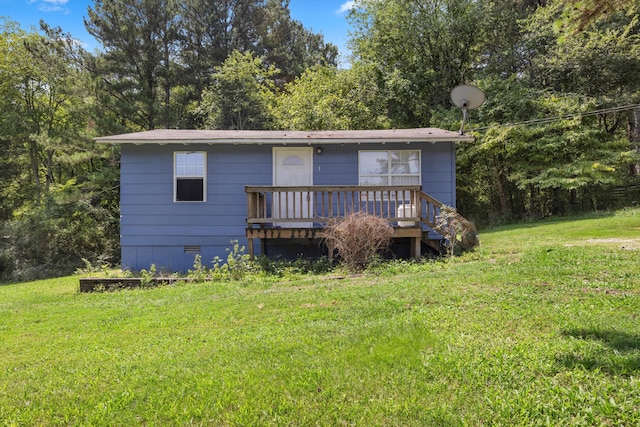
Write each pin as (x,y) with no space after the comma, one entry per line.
(431,209)
(313,206)
(308,205)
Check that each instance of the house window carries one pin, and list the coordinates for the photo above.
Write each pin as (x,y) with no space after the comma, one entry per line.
(389,167)
(190,173)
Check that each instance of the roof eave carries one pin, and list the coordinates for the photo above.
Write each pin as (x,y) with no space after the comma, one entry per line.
(307,141)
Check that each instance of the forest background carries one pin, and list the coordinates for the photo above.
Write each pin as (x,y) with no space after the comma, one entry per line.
(559,132)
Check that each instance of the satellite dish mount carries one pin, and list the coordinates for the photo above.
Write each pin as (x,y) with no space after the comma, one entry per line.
(466,97)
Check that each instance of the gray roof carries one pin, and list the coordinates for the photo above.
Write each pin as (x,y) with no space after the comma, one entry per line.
(276,137)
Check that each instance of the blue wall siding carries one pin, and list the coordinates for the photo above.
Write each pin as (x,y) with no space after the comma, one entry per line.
(338,165)
(155,229)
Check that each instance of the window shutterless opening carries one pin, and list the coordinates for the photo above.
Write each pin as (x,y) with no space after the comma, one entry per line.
(190,172)
(189,189)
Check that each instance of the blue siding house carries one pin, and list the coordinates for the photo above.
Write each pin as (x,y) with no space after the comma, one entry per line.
(187,192)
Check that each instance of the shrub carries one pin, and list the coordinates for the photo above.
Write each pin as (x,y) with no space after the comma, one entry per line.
(236,267)
(452,226)
(357,239)
(147,278)
(238,262)
(54,238)
(200,272)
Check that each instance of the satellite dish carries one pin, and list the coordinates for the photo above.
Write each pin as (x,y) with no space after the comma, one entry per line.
(466,97)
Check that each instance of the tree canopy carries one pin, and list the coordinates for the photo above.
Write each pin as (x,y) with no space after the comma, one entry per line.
(240,95)
(160,55)
(559,132)
(324,98)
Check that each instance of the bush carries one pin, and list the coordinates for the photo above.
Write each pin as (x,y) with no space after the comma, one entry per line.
(54,238)
(452,226)
(6,264)
(357,239)
(236,267)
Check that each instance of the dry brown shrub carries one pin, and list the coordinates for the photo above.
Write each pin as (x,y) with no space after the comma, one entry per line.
(357,238)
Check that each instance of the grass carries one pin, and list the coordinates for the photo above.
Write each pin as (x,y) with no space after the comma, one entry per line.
(537,327)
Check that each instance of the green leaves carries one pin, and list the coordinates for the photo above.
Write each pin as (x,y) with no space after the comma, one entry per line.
(327,98)
(159,55)
(600,61)
(421,51)
(240,95)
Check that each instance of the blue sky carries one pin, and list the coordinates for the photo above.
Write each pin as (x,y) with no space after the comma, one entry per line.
(324,16)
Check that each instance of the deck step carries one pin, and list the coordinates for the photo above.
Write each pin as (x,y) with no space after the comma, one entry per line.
(435,244)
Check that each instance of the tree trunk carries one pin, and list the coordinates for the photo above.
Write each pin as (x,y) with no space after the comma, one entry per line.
(49,174)
(500,187)
(634,138)
(35,169)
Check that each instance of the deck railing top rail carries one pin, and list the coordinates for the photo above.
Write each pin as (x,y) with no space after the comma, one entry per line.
(356,188)
(318,204)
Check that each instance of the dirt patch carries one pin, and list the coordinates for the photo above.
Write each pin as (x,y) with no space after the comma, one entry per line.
(630,244)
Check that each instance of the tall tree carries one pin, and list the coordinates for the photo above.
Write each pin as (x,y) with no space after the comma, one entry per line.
(287,44)
(422,50)
(209,32)
(503,52)
(240,95)
(12,163)
(159,55)
(53,208)
(555,162)
(43,92)
(602,60)
(328,98)
(136,68)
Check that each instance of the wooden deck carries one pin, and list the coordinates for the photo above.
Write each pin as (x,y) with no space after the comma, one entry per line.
(301,212)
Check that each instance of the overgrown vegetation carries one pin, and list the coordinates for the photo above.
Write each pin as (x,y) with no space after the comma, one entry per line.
(451,227)
(357,239)
(536,327)
(236,267)
(54,238)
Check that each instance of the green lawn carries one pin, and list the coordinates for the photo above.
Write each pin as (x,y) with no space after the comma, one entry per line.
(539,326)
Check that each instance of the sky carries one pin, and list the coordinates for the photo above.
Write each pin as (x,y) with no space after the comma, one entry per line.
(321,16)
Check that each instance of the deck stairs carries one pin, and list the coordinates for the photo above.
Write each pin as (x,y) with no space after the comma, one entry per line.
(453,224)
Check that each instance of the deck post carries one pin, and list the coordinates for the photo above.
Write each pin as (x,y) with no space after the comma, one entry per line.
(415,247)
(250,246)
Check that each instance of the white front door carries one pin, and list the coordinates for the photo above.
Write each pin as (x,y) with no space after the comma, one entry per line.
(293,167)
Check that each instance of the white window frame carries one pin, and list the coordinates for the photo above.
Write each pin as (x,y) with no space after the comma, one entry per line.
(195,173)
(390,175)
